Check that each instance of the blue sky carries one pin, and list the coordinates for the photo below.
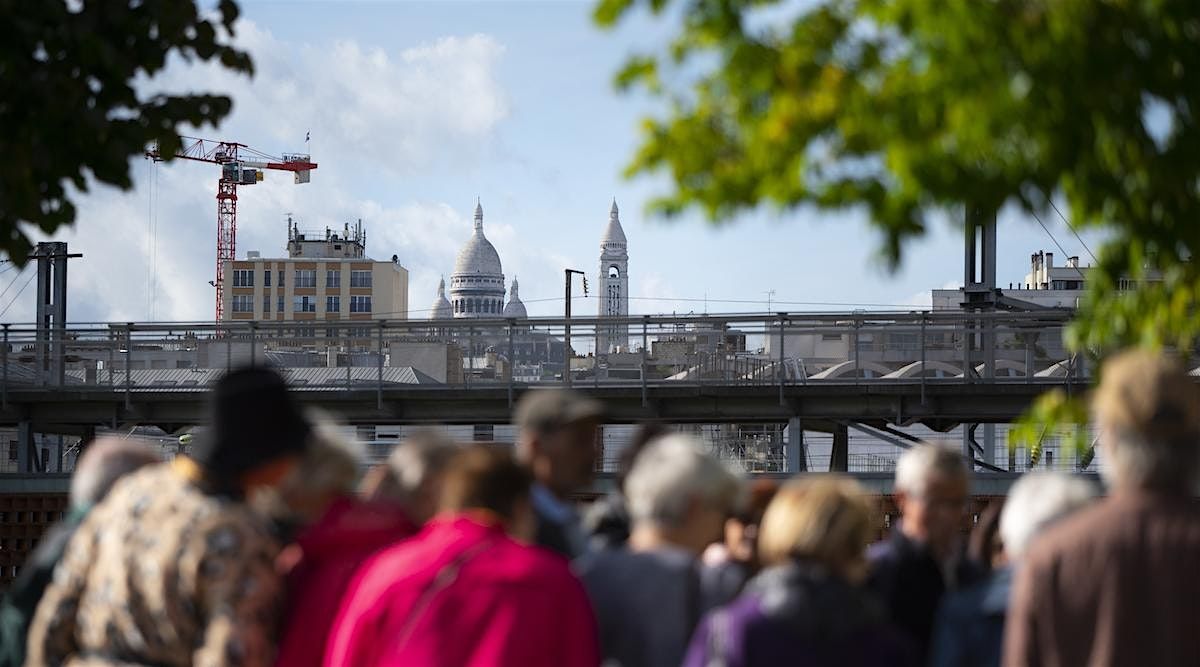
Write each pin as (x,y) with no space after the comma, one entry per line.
(417,108)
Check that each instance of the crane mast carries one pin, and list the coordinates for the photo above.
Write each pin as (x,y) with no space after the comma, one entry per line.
(240,165)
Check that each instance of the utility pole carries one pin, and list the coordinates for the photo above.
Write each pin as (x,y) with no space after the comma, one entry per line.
(567,327)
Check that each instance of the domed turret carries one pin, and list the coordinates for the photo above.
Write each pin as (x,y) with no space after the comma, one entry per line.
(441,305)
(515,308)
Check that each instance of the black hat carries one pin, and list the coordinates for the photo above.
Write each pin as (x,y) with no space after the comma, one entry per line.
(254,421)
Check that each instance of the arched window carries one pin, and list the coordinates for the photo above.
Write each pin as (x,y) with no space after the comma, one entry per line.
(614,271)
(470,306)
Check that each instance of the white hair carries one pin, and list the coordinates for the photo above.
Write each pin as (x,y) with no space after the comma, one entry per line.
(420,457)
(672,472)
(1037,500)
(925,461)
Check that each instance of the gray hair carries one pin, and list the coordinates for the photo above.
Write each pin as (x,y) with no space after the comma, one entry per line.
(421,456)
(927,460)
(102,463)
(1037,500)
(672,472)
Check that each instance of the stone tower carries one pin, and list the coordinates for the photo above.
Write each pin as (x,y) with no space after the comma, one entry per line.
(613,285)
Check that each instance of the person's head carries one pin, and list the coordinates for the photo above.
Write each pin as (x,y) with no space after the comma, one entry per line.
(412,475)
(257,434)
(1034,502)
(742,528)
(1148,411)
(931,492)
(680,493)
(558,438)
(328,469)
(480,478)
(102,463)
(643,436)
(823,520)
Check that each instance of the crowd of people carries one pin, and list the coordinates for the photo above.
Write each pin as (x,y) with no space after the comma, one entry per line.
(265,544)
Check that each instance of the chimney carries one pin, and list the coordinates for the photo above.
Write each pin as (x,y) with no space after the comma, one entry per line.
(1073,262)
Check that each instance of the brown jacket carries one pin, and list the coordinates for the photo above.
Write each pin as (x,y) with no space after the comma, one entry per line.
(1115,584)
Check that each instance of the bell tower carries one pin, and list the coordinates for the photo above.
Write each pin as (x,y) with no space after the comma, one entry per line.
(613,285)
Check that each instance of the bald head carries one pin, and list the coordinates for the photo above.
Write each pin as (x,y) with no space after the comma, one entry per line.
(104,462)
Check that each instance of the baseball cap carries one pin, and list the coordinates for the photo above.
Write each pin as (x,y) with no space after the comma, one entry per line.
(547,410)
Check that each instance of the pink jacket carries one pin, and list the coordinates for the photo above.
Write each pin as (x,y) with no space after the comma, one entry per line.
(464,594)
(332,550)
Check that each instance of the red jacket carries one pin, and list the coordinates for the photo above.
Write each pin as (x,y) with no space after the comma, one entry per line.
(332,550)
(464,594)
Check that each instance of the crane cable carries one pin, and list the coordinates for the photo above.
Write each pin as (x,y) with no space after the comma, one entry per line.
(152,238)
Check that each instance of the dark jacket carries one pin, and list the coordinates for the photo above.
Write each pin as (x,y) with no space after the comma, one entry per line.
(798,615)
(21,600)
(558,525)
(970,624)
(910,583)
(1112,584)
(607,522)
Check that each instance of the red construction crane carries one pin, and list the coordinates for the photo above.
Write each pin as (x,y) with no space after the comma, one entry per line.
(236,170)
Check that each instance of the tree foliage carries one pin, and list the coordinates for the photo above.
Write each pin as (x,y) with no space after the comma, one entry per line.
(904,108)
(70,105)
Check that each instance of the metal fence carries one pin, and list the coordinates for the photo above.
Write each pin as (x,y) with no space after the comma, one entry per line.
(780,348)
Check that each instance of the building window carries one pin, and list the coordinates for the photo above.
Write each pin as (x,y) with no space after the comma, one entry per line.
(333,278)
(304,304)
(243,278)
(243,303)
(470,306)
(333,304)
(279,303)
(306,278)
(267,305)
(360,304)
(267,278)
(281,274)
(360,278)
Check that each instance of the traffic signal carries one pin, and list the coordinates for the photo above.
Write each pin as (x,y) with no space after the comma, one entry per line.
(585,289)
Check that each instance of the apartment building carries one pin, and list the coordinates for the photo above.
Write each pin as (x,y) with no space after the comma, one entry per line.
(326,277)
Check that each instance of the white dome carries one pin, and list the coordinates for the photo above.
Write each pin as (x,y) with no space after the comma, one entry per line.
(441,305)
(514,308)
(478,256)
(477,284)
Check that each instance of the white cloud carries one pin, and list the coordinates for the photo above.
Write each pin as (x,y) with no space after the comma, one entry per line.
(375,116)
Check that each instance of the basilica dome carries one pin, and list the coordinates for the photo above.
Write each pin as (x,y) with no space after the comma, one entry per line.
(477,284)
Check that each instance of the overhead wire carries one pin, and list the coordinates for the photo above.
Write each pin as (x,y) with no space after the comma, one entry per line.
(11,283)
(1052,238)
(1072,228)
(18,294)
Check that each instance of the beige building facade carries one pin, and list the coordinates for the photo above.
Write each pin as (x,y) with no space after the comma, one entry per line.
(327,278)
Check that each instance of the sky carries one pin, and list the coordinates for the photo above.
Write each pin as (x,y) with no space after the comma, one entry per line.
(414,110)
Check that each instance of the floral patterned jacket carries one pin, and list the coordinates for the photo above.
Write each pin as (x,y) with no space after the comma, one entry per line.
(162,573)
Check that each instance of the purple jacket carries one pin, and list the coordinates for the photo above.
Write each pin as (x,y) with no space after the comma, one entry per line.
(798,615)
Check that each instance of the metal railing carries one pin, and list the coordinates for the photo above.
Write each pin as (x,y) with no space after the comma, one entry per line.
(732,349)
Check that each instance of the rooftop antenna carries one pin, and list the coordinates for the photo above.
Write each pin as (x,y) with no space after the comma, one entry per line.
(770,293)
